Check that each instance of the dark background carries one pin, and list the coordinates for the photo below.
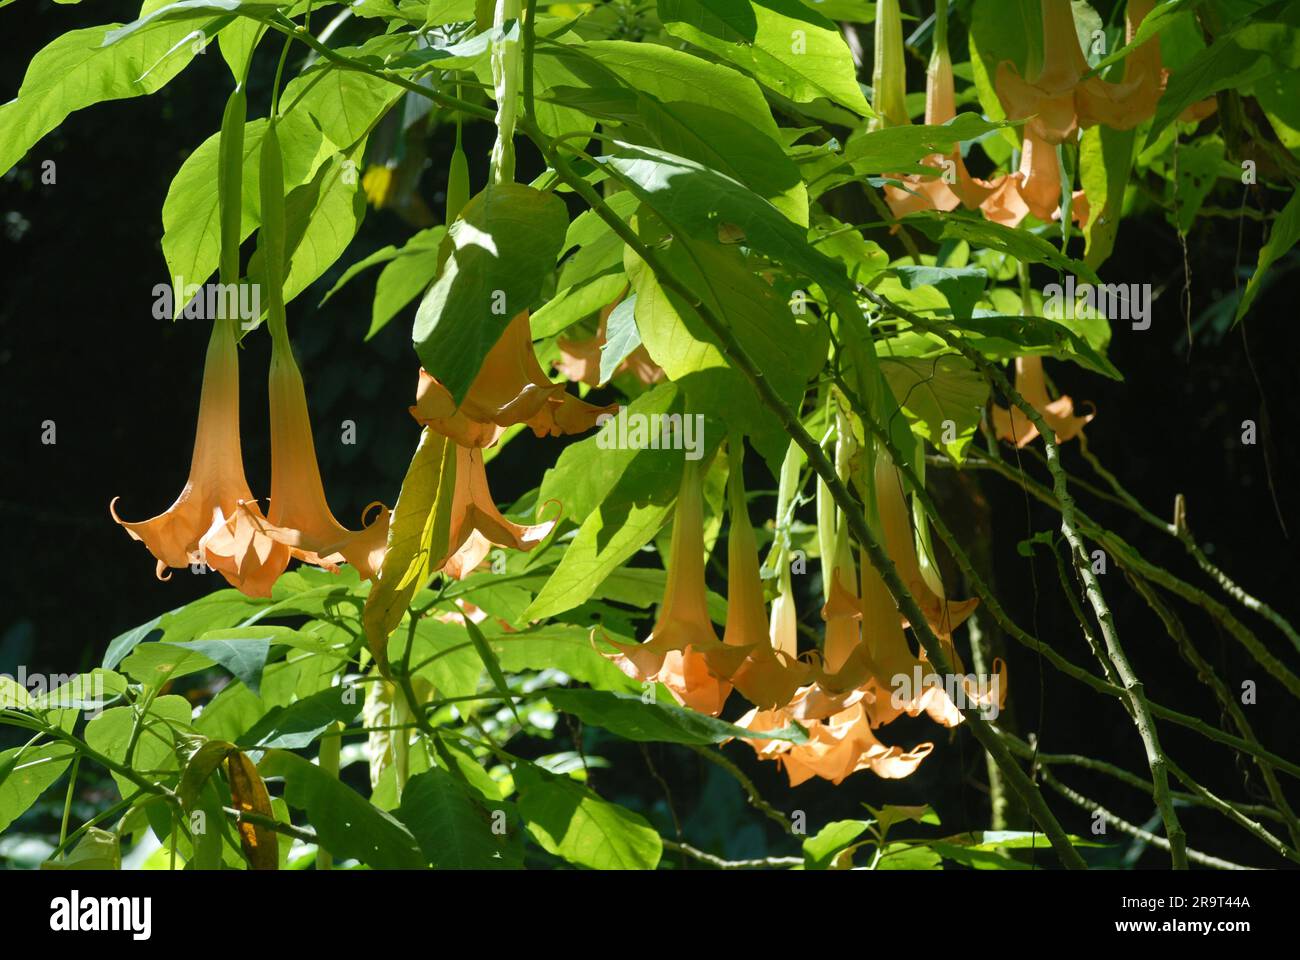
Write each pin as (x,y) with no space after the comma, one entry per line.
(79,346)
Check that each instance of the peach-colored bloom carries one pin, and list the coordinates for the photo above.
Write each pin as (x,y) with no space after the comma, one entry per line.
(836,747)
(510,388)
(1012,425)
(683,651)
(943,615)
(958,187)
(477,524)
(768,676)
(205,524)
(299,516)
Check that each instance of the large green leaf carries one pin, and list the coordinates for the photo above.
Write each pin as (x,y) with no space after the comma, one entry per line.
(505,245)
(783,43)
(1105,159)
(692,198)
(572,822)
(631,718)
(900,149)
(1266,43)
(110,734)
(77,70)
(348,825)
(787,352)
(585,472)
(558,646)
(943,396)
(26,773)
(301,722)
(454,826)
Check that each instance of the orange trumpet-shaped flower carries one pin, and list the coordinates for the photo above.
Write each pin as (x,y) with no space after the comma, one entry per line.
(1125,104)
(768,675)
(476,523)
(956,186)
(1012,425)
(942,614)
(299,516)
(205,524)
(510,388)
(683,651)
(836,747)
(580,359)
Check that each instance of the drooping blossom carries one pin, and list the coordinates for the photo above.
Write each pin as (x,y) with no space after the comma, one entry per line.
(1013,426)
(769,675)
(205,524)
(299,515)
(683,651)
(510,388)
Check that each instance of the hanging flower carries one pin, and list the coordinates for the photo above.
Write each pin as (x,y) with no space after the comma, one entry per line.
(955,187)
(1013,426)
(943,615)
(477,524)
(510,388)
(299,516)
(769,675)
(836,747)
(205,524)
(683,651)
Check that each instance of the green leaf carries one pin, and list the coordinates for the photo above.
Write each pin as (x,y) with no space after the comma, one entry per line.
(961,286)
(621,337)
(1267,43)
(909,856)
(900,149)
(199,767)
(697,200)
(505,245)
(819,851)
(572,822)
(1283,236)
(1024,246)
(77,70)
(301,722)
(157,663)
(348,825)
(672,76)
(453,826)
(783,43)
(943,396)
(493,667)
(97,850)
(1105,159)
(586,472)
(406,277)
(562,647)
(418,538)
(187,11)
(629,717)
(243,653)
(110,734)
(26,773)
(786,351)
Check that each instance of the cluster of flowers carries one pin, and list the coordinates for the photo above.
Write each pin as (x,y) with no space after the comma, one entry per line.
(217,521)
(1056,97)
